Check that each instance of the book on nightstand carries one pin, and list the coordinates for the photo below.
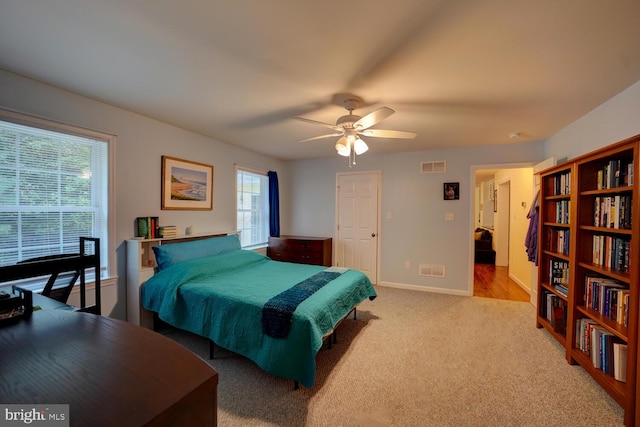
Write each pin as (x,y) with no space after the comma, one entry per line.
(146,227)
(167,231)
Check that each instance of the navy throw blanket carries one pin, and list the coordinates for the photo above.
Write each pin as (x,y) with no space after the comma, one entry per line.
(278,311)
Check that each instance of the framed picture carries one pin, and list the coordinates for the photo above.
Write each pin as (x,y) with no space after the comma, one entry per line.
(186,185)
(495,200)
(452,191)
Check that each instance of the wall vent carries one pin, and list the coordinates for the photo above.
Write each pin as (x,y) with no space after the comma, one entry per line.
(437,166)
(432,270)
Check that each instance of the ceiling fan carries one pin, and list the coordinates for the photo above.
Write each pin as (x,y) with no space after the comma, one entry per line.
(350,126)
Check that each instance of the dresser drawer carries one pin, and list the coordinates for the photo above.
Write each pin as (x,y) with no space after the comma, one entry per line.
(303,250)
(297,245)
(293,256)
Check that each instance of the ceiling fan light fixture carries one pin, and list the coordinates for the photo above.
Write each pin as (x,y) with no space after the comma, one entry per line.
(360,147)
(350,126)
(343,147)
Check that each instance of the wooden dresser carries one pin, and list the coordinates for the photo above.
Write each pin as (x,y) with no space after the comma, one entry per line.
(300,249)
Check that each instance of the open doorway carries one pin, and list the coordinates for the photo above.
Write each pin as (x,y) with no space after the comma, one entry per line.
(503,195)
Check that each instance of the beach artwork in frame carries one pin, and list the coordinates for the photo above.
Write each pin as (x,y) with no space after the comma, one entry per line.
(186,185)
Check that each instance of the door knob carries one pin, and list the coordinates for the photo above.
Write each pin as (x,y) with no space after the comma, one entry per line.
(373,234)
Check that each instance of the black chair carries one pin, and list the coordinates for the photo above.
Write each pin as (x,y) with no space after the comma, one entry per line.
(63,271)
(60,283)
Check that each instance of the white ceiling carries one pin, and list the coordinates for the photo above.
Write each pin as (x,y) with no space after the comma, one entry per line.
(459,73)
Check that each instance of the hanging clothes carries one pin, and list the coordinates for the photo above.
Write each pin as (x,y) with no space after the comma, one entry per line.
(531,240)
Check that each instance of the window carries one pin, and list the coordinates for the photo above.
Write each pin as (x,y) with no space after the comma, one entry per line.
(54,188)
(253,206)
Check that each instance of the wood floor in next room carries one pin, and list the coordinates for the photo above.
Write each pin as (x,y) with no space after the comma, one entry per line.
(490,281)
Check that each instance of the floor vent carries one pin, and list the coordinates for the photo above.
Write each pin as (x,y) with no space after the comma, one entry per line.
(432,270)
(437,166)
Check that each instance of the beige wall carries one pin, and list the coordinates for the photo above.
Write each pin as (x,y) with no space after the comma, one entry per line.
(521,195)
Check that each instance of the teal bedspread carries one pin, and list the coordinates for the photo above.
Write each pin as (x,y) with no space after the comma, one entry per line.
(221,297)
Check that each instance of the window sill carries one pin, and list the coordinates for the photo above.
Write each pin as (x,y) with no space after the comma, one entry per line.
(256,247)
(37,287)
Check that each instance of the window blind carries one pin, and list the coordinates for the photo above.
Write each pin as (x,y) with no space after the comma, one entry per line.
(53,189)
(252,207)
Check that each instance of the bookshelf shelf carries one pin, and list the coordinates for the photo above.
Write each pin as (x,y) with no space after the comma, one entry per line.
(616,389)
(617,275)
(552,289)
(611,325)
(606,191)
(593,228)
(556,224)
(588,201)
(549,327)
(556,255)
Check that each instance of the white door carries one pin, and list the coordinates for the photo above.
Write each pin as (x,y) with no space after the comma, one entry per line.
(357,217)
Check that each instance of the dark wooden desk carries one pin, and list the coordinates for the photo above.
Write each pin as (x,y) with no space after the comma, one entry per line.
(111,373)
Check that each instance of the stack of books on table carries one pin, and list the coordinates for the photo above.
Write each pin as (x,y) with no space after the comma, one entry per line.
(166,231)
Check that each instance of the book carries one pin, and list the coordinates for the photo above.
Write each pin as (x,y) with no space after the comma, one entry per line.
(583,334)
(558,272)
(167,231)
(555,312)
(620,361)
(562,289)
(606,297)
(595,351)
(146,227)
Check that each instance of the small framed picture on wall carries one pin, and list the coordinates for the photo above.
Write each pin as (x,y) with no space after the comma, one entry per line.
(451,191)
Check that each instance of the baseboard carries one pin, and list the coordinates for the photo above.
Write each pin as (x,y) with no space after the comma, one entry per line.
(425,289)
(519,283)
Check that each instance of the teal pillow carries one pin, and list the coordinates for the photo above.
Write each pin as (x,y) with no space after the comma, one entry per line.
(173,253)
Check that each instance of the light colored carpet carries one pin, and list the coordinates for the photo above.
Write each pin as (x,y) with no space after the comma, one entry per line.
(420,359)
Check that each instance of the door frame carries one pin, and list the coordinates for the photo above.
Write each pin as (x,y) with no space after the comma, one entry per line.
(502,223)
(472,194)
(378,176)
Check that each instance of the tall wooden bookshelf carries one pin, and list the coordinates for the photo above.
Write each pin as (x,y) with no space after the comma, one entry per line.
(557,225)
(589,266)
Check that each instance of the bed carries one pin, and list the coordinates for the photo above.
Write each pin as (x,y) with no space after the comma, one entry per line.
(274,313)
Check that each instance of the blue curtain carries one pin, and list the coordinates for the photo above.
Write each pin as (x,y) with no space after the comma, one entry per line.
(274,205)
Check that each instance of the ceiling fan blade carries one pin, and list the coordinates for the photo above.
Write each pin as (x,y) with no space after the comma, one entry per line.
(374,117)
(382,133)
(313,138)
(280,115)
(313,122)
